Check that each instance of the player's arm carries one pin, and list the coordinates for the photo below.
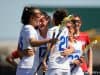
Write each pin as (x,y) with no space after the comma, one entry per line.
(77,62)
(68,50)
(31,37)
(35,42)
(11,58)
(44,65)
(90,59)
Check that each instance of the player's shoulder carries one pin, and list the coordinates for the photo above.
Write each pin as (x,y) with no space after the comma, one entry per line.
(53,28)
(28,28)
(56,28)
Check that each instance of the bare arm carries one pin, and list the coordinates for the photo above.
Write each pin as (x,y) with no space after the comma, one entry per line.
(10,59)
(67,51)
(34,42)
(90,61)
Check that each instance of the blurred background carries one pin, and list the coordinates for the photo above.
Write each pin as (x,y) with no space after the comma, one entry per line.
(10,25)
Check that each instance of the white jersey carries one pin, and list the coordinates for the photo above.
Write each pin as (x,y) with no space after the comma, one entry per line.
(42,48)
(76,70)
(78,51)
(55,58)
(26,34)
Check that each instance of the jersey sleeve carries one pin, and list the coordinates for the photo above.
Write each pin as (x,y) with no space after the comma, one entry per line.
(51,31)
(30,32)
(27,33)
(49,34)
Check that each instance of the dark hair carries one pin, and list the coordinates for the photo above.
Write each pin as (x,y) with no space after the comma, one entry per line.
(44,13)
(46,16)
(59,15)
(27,13)
(76,15)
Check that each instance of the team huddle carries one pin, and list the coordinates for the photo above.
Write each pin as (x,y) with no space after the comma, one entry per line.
(51,51)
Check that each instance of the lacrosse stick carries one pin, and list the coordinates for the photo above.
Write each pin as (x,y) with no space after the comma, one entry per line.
(89,46)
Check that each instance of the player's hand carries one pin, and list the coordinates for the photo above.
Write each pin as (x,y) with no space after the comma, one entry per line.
(67,52)
(53,40)
(44,67)
(77,62)
(90,71)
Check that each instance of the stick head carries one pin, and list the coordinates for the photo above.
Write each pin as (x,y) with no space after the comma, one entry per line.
(95,42)
(69,18)
(90,45)
(64,21)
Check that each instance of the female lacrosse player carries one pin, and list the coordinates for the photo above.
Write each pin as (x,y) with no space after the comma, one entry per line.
(28,41)
(75,56)
(84,38)
(42,34)
(58,64)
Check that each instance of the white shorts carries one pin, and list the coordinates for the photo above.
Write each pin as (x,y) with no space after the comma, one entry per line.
(24,71)
(57,72)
